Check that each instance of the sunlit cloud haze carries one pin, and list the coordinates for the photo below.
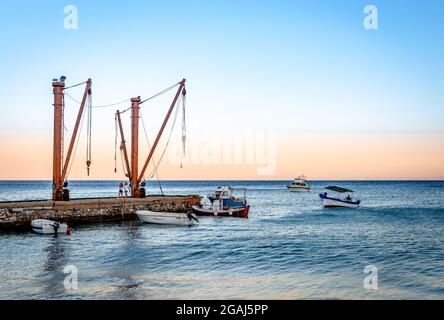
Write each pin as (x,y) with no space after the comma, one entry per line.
(303,83)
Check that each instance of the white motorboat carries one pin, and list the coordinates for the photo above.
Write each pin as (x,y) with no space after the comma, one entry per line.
(171,218)
(299,184)
(332,202)
(44,226)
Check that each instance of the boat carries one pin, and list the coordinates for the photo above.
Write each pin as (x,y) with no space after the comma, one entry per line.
(224,204)
(44,226)
(170,218)
(332,202)
(216,210)
(299,184)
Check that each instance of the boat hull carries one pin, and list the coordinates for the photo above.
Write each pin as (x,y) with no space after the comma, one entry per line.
(166,218)
(338,203)
(43,226)
(240,212)
(297,189)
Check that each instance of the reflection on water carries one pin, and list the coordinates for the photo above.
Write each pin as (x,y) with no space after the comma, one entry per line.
(289,248)
(57,254)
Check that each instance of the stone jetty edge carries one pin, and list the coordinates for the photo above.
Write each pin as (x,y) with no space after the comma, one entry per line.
(17,215)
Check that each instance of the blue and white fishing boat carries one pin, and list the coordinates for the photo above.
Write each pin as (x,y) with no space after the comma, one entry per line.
(332,202)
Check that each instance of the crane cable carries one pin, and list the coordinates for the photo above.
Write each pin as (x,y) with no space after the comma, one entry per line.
(89,124)
(184,127)
(149,146)
(62,138)
(161,92)
(120,149)
(154,171)
(98,106)
(112,104)
(115,143)
(122,162)
(75,147)
(88,132)
(75,85)
(122,101)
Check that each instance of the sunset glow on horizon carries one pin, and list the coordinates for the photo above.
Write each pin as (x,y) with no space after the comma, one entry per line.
(362,157)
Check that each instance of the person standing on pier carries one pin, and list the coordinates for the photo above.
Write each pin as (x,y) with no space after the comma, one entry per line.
(126,189)
(120,190)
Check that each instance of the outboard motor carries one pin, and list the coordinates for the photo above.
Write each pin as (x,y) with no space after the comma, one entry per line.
(191,216)
(56,227)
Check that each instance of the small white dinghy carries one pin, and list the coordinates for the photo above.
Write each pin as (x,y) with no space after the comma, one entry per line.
(171,218)
(44,226)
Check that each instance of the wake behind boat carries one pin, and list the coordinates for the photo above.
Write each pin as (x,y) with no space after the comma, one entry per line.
(169,218)
(332,202)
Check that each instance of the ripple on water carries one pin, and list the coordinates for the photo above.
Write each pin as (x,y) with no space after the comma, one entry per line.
(289,248)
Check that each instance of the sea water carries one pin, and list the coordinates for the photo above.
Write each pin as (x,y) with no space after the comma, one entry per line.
(289,248)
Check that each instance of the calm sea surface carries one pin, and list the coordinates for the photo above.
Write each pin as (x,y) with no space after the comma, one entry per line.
(289,248)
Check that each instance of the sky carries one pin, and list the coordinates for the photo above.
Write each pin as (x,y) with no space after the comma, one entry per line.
(275,89)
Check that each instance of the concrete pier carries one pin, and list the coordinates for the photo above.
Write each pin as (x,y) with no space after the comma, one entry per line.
(17,215)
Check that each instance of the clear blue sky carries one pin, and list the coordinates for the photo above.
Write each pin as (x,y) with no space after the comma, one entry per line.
(291,66)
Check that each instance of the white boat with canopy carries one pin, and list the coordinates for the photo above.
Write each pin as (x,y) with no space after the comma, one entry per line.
(332,202)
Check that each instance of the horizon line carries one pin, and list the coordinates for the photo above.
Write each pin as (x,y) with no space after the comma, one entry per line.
(271,180)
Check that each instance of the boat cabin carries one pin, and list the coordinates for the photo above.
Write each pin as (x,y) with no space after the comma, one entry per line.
(299,184)
(223,197)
